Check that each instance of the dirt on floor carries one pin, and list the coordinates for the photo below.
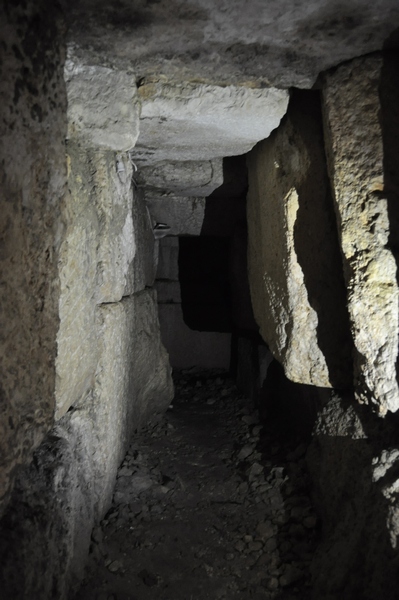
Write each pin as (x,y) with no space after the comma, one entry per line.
(210,503)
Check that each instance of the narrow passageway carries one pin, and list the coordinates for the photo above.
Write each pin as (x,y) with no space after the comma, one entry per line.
(209,503)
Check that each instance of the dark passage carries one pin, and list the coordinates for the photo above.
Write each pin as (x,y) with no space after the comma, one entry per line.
(204,283)
(209,504)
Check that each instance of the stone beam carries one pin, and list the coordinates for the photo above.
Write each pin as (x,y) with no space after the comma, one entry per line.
(193,121)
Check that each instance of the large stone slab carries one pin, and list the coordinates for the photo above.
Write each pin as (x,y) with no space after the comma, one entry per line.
(45,537)
(355,149)
(134,363)
(108,253)
(278,42)
(192,121)
(133,378)
(184,178)
(295,269)
(103,108)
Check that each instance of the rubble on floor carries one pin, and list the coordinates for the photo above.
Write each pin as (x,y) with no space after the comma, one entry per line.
(209,503)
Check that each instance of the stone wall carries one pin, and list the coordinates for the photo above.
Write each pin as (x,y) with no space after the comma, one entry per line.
(354,454)
(313,252)
(106,372)
(33,176)
(355,150)
(305,263)
(295,270)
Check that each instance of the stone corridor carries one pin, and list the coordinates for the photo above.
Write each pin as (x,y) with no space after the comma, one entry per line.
(191,184)
(210,502)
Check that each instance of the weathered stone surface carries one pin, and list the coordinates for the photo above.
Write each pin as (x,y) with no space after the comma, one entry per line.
(279,42)
(193,121)
(184,178)
(134,363)
(295,270)
(356,160)
(103,108)
(33,177)
(108,253)
(133,379)
(187,347)
(185,216)
(69,486)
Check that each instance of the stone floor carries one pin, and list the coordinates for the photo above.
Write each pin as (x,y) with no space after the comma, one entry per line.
(209,504)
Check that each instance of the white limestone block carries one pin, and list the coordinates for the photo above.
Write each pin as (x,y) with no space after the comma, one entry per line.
(188,122)
(295,268)
(356,161)
(103,107)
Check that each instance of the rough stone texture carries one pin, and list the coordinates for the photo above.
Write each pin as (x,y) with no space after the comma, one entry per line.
(279,42)
(194,121)
(353,463)
(184,216)
(33,176)
(103,108)
(295,270)
(134,357)
(188,348)
(355,151)
(96,262)
(70,484)
(184,178)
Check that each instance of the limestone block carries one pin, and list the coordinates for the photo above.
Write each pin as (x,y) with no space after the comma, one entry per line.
(184,178)
(188,348)
(189,121)
(69,486)
(168,265)
(133,378)
(281,43)
(103,107)
(356,161)
(99,260)
(151,372)
(185,216)
(295,270)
